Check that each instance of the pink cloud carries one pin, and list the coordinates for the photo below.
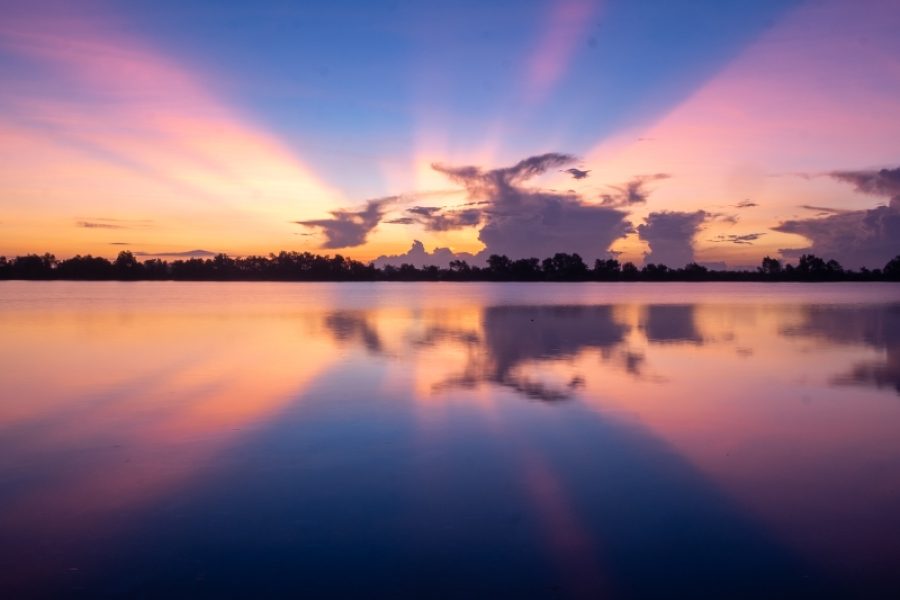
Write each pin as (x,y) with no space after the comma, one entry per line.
(567,23)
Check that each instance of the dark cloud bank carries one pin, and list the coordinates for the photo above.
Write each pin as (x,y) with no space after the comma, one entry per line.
(517,221)
(859,237)
(523,222)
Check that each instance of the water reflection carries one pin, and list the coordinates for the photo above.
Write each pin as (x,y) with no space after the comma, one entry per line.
(671,324)
(876,327)
(336,440)
(511,337)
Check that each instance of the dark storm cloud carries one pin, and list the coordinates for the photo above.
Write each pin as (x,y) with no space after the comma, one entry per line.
(671,236)
(631,192)
(856,238)
(522,223)
(347,229)
(747,238)
(576,173)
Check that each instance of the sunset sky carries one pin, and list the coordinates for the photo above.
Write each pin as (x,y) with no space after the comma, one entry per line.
(664,131)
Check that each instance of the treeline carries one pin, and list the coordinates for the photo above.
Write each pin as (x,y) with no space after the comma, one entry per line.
(305,266)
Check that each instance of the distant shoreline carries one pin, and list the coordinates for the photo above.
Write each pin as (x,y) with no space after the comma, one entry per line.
(305,266)
(437,281)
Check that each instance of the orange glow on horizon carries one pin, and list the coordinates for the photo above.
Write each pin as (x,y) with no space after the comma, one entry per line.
(162,149)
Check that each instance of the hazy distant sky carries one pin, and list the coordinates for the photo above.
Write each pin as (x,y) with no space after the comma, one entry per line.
(715,130)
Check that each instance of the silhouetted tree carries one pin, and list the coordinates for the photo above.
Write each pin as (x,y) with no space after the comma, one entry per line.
(567,267)
(32,266)
(85,267)
(814,268)
(770,266)
(459,266)
(500,266)
(892,269)
(695,272)
(127,266)
(607,270)
(305,266)
(655,272)
(526,269)
(156,268)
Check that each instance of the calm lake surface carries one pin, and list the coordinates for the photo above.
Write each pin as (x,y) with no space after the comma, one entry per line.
(449,440)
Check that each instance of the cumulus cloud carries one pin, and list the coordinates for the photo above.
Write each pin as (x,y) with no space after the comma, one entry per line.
(521,222)
(347,229)
(631,192)
(418,256)
(856,238)
(670,235)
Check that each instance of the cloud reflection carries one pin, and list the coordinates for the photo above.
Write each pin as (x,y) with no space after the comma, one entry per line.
(874,327)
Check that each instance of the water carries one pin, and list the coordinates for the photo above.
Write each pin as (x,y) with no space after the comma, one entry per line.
(449,440)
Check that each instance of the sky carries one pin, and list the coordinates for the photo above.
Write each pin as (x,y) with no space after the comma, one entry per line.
(654,131)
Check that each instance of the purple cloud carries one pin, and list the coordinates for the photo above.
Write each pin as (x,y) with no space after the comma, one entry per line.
(631,192)
(856,238)
(522,223)
(671,236)
(347,229)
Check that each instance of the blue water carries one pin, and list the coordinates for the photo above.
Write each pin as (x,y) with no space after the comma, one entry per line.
(449,440)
